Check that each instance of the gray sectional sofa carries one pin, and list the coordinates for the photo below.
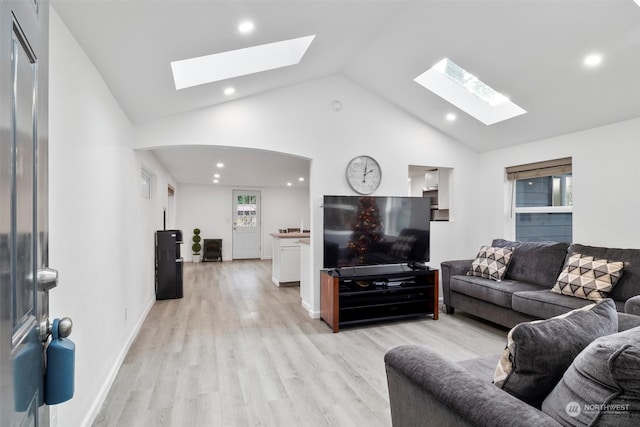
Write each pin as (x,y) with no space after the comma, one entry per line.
(567,361)
(601,387)
(525,292)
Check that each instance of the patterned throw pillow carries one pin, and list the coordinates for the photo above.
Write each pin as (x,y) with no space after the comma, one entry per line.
(402,246)
(491,263)
(588,277)
(539,352)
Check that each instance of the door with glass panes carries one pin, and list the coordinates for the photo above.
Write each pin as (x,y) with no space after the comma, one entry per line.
(246,224)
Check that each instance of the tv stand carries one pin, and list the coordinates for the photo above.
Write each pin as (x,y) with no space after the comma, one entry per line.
(359,294)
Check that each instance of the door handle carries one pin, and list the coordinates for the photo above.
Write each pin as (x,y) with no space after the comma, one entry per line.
(47,279)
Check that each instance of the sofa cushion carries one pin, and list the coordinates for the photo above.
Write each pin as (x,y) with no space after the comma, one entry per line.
(534,262)
(588,277)
(491,263)
(545,304)
(602,385)
(499,293)
(629,284)
(538,352)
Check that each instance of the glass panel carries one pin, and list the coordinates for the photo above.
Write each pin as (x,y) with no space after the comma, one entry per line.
(544,191)
(246,211)
(538,227)
(23,171)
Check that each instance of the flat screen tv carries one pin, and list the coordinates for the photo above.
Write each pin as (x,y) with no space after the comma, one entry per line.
(366,230)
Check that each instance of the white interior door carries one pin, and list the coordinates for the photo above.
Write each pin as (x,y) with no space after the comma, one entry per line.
(246,224)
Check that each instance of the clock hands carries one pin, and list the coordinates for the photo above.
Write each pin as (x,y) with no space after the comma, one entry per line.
(364,177)
(367,171)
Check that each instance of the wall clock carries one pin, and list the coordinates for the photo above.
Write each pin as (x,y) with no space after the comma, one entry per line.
(364,174)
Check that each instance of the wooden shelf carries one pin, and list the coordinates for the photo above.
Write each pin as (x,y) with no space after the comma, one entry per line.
(355,299)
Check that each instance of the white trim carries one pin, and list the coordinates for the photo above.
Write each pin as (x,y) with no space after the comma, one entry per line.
(545,209)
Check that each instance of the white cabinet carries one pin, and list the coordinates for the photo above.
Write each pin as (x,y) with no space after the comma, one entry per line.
(285,266)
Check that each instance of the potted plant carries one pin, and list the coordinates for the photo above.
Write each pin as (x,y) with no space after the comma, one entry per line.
(196,247)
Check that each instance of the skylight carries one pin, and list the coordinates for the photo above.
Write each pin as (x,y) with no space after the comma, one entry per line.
(464,90)
(240,62)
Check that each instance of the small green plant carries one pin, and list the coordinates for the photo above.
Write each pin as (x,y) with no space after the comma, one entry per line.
(196,247)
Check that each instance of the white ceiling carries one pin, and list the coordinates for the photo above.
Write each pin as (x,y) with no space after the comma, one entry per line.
(530,50)
(242,167)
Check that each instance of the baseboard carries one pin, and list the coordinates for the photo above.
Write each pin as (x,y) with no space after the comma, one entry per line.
(312,314)
(104,391)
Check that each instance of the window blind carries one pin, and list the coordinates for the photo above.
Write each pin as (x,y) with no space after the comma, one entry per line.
(538,169)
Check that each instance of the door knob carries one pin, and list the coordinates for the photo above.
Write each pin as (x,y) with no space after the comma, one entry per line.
(47,279)
(65,325)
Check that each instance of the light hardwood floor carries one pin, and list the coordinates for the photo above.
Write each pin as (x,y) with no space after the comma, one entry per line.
(239,351)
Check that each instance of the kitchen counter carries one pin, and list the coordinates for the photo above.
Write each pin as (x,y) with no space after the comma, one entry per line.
(285,262)
(290,235)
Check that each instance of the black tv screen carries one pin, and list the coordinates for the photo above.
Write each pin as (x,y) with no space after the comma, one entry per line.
(367,230)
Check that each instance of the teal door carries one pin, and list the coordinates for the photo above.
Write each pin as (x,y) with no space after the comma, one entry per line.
(23,211)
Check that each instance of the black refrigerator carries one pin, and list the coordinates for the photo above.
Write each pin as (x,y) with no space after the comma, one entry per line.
(168,264)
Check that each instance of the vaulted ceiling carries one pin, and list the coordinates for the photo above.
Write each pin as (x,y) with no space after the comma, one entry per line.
(530,50)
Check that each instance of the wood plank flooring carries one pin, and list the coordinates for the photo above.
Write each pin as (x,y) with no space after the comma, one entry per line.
(239,351)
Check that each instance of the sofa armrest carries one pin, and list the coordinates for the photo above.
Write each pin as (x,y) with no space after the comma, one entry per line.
(427,390)
(632,306)
(448,269)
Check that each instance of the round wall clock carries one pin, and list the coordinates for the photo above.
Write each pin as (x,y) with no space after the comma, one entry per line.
(364,174)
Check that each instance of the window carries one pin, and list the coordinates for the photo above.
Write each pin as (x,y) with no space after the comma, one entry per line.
(543,200)
(246,208)
(146,185)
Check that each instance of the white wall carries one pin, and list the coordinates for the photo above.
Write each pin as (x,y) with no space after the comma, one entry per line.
(101,229)
(606,184)
(300,120)
(210,208)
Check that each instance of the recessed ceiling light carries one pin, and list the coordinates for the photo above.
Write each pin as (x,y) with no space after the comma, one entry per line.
(216,175)
(451,117)
(593,60)
(215,181)
(301,179)
(229,91)
(240,62)
(289,184)
(220,165)
(467,92)
(246,27)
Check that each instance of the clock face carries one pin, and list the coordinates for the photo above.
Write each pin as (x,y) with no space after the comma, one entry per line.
(364,174)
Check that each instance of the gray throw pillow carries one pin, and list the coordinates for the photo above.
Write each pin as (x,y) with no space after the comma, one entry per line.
(539,352)
(602,385)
